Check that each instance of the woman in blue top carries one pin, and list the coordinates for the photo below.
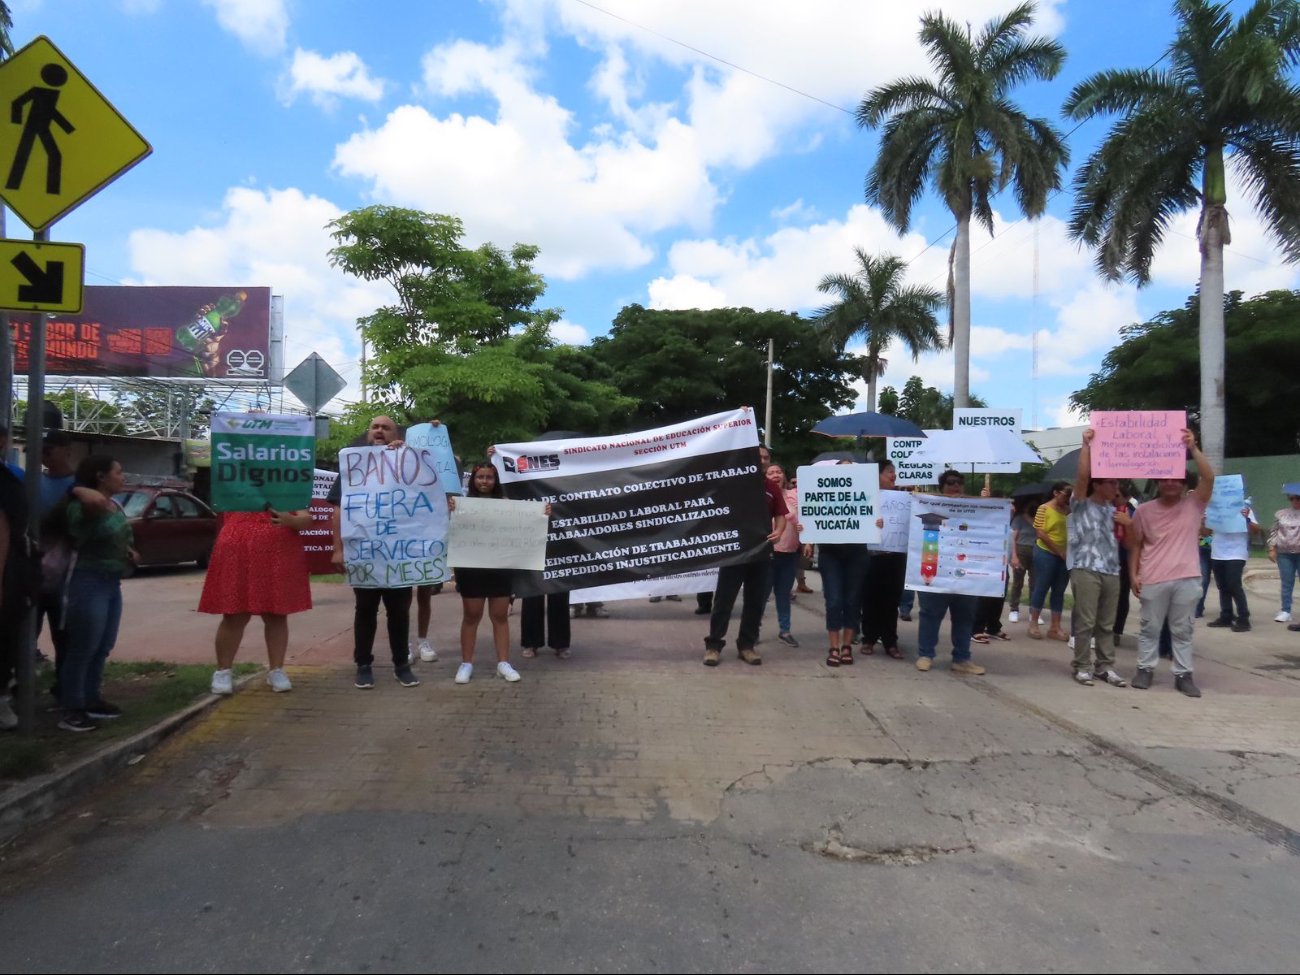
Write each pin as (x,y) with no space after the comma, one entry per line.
(103,544)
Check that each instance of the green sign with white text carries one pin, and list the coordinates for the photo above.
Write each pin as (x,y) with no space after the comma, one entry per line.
(262,460)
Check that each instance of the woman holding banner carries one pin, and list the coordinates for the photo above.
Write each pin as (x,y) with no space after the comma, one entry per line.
(484,587)
(258,568)
(843,567)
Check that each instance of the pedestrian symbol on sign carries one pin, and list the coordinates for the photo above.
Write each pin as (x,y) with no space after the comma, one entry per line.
(42,114)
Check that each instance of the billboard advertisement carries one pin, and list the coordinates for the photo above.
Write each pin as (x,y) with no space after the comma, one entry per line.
(184,332)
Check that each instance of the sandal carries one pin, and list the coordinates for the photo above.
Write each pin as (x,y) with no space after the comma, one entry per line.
(894,652)
(980,638)
(868,649)
(846,656)
(563,653)
(1001,635)
(530,652)
(833,657)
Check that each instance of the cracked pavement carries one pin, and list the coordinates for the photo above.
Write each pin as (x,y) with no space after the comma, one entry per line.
(629,810)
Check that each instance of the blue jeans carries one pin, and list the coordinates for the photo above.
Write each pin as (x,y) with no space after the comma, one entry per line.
(91,622)
(906,601)
(1204,551)
(843,569)
(1051,574)
(1288,567)
(933,607)
(785,566)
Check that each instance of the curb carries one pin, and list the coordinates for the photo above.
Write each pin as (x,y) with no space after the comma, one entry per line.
(36,800)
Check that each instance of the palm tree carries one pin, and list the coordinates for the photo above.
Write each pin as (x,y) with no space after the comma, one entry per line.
(873,304)
(1224,93)
(962,132)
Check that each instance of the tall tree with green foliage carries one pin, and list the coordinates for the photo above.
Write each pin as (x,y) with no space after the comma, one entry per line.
(1156,367)
(688,363)
(962,132)
(924,405)
(464,339)
(875,304)
(1226,95)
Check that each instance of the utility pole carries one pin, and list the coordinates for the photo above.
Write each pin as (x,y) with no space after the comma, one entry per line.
(767,421)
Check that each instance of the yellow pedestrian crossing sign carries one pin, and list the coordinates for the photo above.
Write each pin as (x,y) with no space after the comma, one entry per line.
(60,139)
(39,276)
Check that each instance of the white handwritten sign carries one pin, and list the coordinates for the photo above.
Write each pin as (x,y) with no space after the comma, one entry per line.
(837,503)
(1140,443)
(1223,513)
(492,533)
(896,510)
(908,471)
(392,518)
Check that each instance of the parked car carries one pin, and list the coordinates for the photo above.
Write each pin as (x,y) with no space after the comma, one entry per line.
(170,525)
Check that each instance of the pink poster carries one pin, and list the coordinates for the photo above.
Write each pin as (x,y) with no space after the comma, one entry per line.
(1141,443)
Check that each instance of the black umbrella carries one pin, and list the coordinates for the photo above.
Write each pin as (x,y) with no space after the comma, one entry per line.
(849,455)
(867,425)
(1066,468)
(1037,489)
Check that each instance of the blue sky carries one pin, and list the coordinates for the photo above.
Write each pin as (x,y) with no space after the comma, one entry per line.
(645,170)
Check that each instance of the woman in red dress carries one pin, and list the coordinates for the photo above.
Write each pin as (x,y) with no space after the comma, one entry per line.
(258,568)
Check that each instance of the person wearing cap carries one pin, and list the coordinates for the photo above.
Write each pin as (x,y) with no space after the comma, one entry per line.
(1284,549)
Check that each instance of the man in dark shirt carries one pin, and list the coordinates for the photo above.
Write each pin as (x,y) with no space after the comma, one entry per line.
(397,602)
(754,576)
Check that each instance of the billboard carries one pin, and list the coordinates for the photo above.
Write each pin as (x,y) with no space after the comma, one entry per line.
(185,332)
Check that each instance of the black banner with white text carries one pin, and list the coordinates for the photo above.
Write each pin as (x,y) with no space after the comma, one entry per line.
(643,505)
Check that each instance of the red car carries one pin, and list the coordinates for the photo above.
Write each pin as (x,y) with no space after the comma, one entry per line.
(170,525)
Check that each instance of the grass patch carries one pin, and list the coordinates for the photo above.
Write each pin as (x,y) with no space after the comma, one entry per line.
(146,691)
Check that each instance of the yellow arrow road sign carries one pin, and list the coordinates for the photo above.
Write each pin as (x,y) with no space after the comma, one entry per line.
(38,276)
(60,140)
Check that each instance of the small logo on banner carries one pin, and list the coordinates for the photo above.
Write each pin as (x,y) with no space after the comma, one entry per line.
(536,462)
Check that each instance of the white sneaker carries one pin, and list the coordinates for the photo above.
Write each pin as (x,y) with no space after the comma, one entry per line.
(463,673)
(410,653)
(507,672)
(1083,677)
(1282,617)
(223,682)
(278,680)
(1014,616)
(8,720)
(427,653)
(1113,679)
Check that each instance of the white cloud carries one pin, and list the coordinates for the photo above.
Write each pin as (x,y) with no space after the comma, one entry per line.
(517,177)
(275,238)
(260,25)
(1088,325)
(326,79)
(569,333)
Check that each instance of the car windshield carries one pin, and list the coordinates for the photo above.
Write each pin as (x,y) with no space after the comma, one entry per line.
(133,502)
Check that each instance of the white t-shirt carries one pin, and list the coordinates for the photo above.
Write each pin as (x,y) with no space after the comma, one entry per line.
(1231,546)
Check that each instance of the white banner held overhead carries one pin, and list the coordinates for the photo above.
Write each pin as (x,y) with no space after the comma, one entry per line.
(975,418)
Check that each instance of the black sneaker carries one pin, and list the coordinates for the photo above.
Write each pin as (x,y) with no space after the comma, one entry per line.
(1220,622)
(1241,626)
(103,711)
(1142,679)
(365,678)
(1184,684)
(406,678)
(77,721)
